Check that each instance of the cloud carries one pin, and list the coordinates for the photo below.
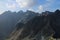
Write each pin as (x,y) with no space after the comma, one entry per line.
(1,11)
(40,8)
(2,6)
(11,6)
(31,9)
(26,3)
(46,6)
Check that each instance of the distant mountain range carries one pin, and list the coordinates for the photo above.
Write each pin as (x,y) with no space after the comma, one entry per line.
(8,21)
(29,25)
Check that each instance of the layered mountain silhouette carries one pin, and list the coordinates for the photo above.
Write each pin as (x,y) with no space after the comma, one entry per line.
(8,21)
(29,25)
(38,27)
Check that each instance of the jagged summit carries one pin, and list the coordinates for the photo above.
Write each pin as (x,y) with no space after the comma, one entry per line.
(38,28)
(9,20)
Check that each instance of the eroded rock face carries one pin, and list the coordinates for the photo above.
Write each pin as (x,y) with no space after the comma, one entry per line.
(40,27)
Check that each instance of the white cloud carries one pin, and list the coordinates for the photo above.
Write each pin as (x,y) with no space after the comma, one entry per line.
(26,3)
(40,8)
(1,11)
(46,6)
(30,9)
(1,7)
(11,6)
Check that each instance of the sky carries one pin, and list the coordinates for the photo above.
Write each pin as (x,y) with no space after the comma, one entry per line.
(32,5)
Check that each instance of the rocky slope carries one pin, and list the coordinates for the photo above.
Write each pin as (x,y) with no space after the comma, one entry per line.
(8,21)
(39,28)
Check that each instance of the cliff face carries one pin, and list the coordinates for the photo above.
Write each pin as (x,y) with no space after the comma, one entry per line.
(39,28)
